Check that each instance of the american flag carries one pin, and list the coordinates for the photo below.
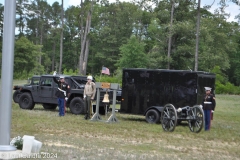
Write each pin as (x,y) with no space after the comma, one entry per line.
(105,70)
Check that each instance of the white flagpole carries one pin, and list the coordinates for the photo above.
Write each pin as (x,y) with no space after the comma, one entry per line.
(7,75)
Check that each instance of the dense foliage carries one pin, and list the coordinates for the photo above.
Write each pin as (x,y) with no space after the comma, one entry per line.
(126,34)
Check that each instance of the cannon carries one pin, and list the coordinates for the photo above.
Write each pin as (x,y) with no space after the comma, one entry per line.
(193,115)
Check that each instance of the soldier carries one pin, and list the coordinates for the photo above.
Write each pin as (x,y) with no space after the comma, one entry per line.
(61,93)
(208,104)
(88,95)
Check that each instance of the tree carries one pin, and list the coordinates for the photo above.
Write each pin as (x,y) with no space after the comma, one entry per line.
(25,56)
(54,35)
(72,44)
(157,54)
(114,25)
(21,18)
(85,40)
(132,54)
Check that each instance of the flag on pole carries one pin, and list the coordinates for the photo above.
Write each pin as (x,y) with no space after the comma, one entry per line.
(105,70)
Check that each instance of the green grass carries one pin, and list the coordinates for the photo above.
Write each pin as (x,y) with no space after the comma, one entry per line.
(72,137)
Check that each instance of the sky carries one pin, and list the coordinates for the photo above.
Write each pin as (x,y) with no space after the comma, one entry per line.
(233,9)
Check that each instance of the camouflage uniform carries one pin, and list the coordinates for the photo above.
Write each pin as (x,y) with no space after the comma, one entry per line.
(89,94)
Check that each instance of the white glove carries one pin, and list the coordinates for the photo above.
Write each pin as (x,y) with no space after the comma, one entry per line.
(66,98)
(200,106)
(54,73)
(179,110)
(212,111)
(84,96)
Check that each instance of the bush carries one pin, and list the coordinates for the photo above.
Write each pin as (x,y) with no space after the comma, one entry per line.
(222,84)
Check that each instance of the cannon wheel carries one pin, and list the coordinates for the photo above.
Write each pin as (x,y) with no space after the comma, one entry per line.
(196,117)
(169,118)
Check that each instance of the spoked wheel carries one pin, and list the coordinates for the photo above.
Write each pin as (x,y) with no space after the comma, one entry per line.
(169,118)
(196,119)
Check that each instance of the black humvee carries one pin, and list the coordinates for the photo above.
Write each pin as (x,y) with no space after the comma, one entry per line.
(147,91)
(42,89)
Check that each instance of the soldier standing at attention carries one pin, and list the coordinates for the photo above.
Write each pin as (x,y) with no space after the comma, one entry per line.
(208,104)
(88,95)
(62,93)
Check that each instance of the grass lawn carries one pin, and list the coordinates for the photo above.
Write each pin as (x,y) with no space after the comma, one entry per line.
(71,137)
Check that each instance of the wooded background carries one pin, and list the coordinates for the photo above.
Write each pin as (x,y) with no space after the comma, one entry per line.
(137,34)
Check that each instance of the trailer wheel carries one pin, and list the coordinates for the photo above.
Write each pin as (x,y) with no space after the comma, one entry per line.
(16,96)
(49,106)
(196,119)
(169,118)
(26,101)
(152,116)
(77,106)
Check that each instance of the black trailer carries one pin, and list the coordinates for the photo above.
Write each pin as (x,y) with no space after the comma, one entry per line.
(151,92)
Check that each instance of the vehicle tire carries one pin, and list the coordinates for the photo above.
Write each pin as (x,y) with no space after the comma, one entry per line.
(16,96)
(152,116)
(48,106)
(77,106)
(26,101)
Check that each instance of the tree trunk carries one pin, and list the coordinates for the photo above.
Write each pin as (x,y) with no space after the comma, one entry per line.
(61,42)
(197,36)
(83,58)
(170,34)
(82,32)
(41,38)
(53,56)
(86,57)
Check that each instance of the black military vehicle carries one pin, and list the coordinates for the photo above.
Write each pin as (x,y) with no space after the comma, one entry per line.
(42,89)
(147,91)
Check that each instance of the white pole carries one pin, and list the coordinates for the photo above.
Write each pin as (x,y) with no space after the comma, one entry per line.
(7,75)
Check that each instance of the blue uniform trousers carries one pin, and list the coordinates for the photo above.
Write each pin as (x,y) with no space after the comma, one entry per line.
(61,102)
(207,116)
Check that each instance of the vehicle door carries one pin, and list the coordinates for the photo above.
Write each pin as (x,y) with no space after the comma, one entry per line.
(47,90)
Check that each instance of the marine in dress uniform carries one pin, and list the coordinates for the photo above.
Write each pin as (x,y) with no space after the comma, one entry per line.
(62,93)
(88,95)
(208,104)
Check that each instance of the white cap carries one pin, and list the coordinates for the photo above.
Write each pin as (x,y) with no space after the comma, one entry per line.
(61,76)
(89,77)
(208,88)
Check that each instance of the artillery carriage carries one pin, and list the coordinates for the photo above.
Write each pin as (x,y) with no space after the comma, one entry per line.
(193,115)
(166,96)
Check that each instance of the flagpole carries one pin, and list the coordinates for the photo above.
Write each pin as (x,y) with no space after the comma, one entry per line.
(101,74)
(7,75)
